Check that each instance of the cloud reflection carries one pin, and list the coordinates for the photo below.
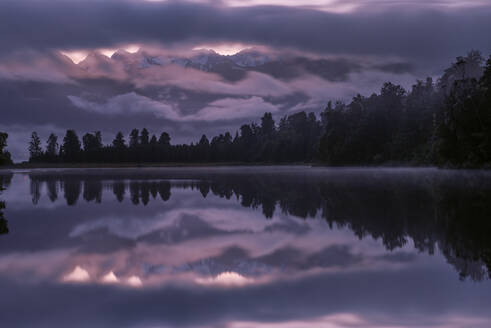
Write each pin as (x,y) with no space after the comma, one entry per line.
(245,247)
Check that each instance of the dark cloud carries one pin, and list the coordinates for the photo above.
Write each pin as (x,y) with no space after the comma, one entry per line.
(82,24)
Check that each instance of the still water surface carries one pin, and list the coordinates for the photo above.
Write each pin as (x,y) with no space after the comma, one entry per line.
(245,247)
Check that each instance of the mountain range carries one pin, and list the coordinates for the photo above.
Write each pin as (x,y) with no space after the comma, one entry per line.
(285,66)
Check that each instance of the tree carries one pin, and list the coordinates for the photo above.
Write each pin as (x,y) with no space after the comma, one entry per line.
(119,143)
(35,150)
(164,139)
(92,142)
(4,155)
(134,138)
(71,147)
(468,67)
(144,137)
(267,125)
(52,146)
(462,132)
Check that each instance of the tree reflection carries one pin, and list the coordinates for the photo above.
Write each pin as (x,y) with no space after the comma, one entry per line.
(451,211)
(52,188)
(35,191)
(4,229)
(93,190)
(119,190)
(5,180)
(72,187)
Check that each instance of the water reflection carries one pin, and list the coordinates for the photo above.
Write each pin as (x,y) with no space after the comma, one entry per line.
(450,210)
(4,183)
(249,247)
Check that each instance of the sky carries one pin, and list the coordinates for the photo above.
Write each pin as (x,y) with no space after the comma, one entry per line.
(114,65)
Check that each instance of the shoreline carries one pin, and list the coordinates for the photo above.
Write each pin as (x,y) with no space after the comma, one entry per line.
(27,166)
(138,165)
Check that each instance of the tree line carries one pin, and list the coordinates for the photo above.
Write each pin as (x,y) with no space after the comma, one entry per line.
(445,123)
(293,140)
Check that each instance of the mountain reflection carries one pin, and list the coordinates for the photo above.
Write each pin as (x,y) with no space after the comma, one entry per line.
(246,247)
(444,209)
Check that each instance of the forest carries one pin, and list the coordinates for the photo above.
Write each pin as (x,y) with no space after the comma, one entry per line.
(445,123)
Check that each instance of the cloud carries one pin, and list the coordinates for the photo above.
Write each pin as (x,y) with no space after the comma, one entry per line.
(422,33)
(127,104)
(235,108)
(403,37)
(346,6)
(254,83)
(222,109)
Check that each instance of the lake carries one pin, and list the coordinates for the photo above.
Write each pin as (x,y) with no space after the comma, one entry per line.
(236,247)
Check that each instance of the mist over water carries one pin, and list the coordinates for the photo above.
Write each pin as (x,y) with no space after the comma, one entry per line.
(245,247)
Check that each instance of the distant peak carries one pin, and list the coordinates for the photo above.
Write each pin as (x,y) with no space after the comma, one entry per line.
(120,52)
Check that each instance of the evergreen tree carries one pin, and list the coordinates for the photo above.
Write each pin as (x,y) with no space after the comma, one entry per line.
(144,137)
(52,146)
(267,125)
(92,142)
(71,148)
(164,139)
(4,155)
(134,138)
(119,143)
(35,150)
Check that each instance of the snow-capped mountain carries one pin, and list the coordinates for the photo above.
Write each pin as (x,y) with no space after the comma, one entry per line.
(250,58)
(232,67)
(95,61)
(204,60)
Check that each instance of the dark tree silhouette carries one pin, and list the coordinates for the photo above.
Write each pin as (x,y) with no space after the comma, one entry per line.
(119,143)
(134,138)
(4,155)
(144,137)
(92,142)
(35,150)
(52,147)
(164,139)
(463,132)
(71,148)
